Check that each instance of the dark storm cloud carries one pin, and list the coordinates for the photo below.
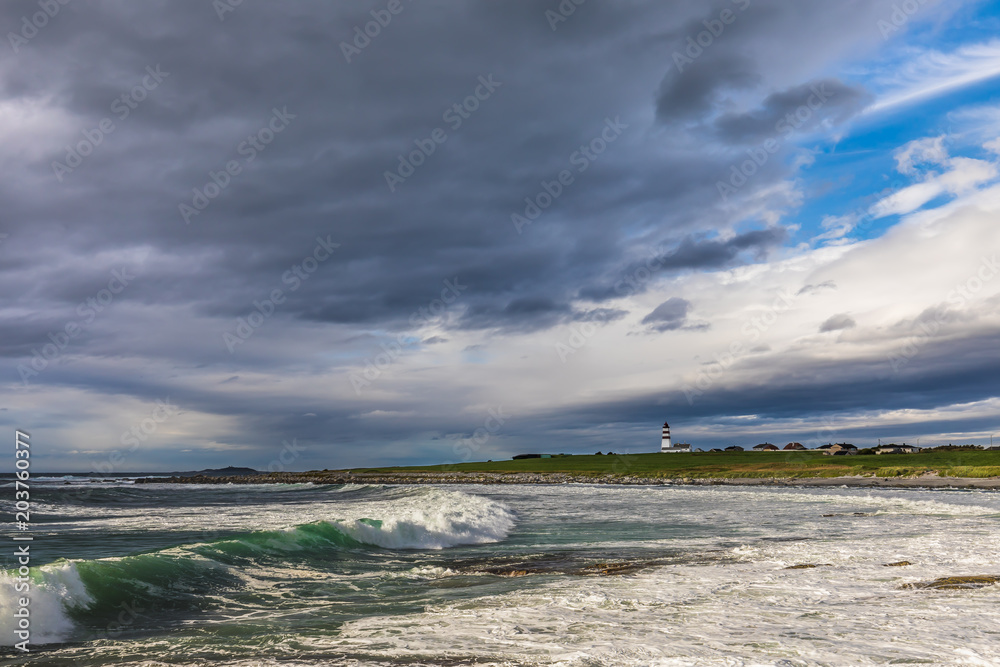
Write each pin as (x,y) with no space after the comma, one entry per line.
(837,322)
(522,314)
(532,314)
(602,315)
(799,108)
(692,253)
(811,289)
(669,315)
(692,93)
(322,175)
(944,373)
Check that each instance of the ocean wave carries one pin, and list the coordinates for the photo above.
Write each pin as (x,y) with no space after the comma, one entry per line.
(883,501)
(55,589)
(466,519)
(79,595)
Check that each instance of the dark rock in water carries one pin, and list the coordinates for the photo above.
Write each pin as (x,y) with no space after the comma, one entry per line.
(561,566)
(511,573)
(613,568)
(806,566)
(897,564)
(956,583)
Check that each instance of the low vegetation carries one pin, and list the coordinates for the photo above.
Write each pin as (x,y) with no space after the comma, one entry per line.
(945,462)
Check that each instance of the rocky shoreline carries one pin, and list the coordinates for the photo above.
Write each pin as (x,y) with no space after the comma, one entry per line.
(347,477)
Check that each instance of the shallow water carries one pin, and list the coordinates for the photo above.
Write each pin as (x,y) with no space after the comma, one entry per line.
(507,575)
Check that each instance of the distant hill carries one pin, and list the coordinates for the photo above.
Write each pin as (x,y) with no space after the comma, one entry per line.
(228,471)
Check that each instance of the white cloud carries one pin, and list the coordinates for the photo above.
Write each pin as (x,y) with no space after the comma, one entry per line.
(929,150)
(837,226)
(933,73)
(960,175)
(907,200)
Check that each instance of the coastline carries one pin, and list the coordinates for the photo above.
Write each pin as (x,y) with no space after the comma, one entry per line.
(925,481)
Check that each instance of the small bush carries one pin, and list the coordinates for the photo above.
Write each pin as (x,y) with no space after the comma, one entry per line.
(897,471)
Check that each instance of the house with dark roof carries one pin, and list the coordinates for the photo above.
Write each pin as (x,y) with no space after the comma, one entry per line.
(841,449)
(794,446)
(734,448)
(765,447)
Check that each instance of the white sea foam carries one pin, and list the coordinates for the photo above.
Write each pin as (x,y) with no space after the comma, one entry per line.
(727,601)
(749,614)
(424,518)
(434,519)
(53,590)
(746,609)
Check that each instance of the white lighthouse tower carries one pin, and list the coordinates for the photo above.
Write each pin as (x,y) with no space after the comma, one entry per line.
(667,447)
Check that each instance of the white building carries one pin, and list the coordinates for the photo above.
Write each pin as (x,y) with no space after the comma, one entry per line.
(665,444)
(897,449)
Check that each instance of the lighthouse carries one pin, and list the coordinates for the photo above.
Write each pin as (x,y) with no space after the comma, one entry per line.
(666,446)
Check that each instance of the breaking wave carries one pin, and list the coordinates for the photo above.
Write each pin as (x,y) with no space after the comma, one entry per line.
(65,595)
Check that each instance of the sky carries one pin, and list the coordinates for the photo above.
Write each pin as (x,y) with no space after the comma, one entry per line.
(314,235)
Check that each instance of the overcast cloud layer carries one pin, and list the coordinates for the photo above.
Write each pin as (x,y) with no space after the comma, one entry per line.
(256,235)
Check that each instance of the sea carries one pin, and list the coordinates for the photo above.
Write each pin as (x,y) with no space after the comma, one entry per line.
(569,575)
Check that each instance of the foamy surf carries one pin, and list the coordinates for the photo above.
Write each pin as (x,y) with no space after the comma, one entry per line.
(54,591)
(579,576)
(422,518)
(451,519)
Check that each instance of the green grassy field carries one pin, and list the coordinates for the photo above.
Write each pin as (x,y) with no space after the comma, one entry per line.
(739,464)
